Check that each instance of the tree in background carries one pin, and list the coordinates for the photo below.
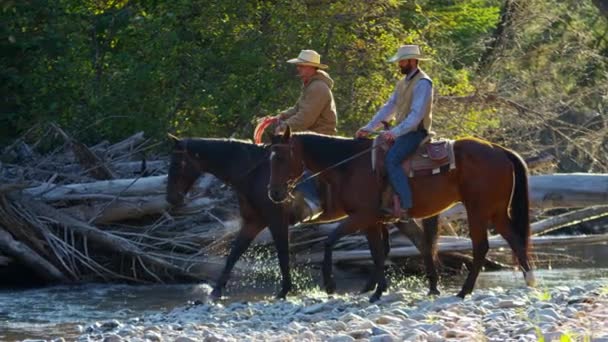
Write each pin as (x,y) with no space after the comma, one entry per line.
(528,74)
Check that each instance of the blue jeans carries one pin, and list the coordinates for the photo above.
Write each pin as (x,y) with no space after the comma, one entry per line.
(309,188)
(404,146)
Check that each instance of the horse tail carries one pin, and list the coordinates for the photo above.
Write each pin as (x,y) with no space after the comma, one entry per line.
(520,200)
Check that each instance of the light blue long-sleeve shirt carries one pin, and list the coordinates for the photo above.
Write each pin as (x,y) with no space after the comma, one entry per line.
(420,96)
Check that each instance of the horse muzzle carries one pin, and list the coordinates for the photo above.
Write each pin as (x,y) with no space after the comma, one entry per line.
(278,194)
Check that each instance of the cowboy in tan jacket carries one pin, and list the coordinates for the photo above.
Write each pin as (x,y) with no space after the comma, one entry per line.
(315,110)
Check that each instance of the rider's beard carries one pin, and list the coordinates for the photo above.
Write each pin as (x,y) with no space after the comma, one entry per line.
(407,69)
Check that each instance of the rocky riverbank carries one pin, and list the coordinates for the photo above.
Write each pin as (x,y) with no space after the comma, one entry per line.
(497,314)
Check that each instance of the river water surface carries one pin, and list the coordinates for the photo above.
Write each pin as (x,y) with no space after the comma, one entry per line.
(62,311)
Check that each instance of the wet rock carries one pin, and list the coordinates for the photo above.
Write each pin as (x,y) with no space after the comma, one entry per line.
(361,333)
(455,333)
(341,338)
(184,339)
(416,335)
(386,319)
(112,338)
(382,338)
(379,331)
(350,317)
(153,336)
(544,315)
(399,312)
(306,335)
(339,326)
(312,309)
(510,303)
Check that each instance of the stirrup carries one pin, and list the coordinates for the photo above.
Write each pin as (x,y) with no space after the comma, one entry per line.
(313,211)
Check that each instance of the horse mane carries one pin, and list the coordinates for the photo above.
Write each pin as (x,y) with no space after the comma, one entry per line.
(225,149)
(329,150)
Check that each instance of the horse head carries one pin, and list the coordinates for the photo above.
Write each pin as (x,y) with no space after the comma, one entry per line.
(286,167)
(183,171)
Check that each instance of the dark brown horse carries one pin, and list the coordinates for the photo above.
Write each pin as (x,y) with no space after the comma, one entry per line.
(244,166)
(491,182)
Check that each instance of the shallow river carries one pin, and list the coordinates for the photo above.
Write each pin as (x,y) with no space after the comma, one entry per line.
(59,311)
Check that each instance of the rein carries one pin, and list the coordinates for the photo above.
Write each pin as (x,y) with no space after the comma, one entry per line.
(292,184)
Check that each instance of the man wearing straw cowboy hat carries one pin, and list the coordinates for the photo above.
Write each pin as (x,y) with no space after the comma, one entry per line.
(411,103)
(314,111)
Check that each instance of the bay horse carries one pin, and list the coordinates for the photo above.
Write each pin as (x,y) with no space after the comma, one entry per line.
(491,182)
(246,168)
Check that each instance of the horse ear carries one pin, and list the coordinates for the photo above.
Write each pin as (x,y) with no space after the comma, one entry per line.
(287,134)
(178,144)
(174,138)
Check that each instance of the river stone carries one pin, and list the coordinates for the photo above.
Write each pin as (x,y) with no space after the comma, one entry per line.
(415,335)
(408,322)
(418,316)
(379,331)
(306,335)
(153,336)
(341,338)
(399,312)
(544,315)
(361,333)
(456,333)
(386,319)
(510,303)
(312,309)
(339,326)
(496,316)
(184,339)
(382,338)
(350,317)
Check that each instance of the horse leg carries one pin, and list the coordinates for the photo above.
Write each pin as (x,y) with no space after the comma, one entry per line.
(387,240)
(431,229)
(348,226)
(248,232)
(425,241)
(374,239)
(479,238)
(372,282)
(504,226)
(280,235)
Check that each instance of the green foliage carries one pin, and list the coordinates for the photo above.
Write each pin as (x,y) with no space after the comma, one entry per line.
(105,69)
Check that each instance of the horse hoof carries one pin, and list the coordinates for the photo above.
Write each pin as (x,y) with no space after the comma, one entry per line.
(215,295)
(433,292)
(282,294)
(461,294)
(374,298)
(330,288)
(367,288)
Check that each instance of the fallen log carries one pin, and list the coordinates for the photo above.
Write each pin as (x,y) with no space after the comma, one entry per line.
(109,241)
(131,208)
(573,190)
(463,245)
(568,219)
(30,258)
(141,186)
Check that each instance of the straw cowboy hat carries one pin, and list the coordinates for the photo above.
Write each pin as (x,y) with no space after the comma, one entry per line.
(308,57)
(408,52)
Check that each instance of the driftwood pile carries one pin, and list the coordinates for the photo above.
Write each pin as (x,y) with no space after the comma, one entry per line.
(91,213)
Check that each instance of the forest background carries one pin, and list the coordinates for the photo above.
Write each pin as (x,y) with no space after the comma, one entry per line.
(528,74)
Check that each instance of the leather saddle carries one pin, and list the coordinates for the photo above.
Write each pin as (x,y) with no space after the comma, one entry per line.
(432,157)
